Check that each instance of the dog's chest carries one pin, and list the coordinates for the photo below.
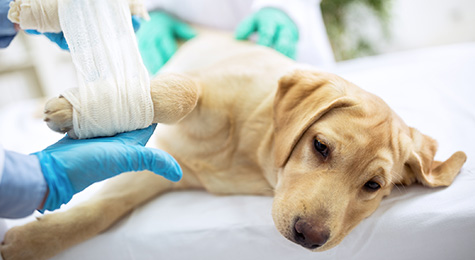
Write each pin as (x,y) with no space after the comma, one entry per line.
(221,148)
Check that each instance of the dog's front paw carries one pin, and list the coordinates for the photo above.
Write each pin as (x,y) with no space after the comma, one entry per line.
(58,115)
(20,243)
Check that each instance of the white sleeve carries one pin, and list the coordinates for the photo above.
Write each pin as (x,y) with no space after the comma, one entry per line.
(217,14)
(22,186)
(313,47)
(153,4)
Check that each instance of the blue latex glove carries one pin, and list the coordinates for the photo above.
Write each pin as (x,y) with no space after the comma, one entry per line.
(136,22)
(157,39)
(7,29)
(70,165)
(59,39)
(275,29)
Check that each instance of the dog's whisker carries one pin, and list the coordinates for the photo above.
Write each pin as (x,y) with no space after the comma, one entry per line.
(398,177)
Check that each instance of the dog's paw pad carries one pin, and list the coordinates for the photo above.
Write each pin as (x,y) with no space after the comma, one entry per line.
(58,115)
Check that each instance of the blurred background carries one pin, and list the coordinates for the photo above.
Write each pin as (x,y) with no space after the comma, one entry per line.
(33,67)
(368,27)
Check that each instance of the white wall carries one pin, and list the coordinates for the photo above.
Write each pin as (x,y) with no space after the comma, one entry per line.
(421,23)
(33,67)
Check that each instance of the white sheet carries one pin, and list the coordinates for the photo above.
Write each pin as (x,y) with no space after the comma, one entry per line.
(432,90)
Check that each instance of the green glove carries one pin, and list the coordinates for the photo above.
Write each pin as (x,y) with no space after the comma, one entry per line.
(275,29)
(157,39)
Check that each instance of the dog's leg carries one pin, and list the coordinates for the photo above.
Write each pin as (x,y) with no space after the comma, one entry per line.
(53,233)
(174,96)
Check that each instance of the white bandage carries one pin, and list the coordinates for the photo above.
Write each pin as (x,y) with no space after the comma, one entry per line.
(114,86)
(137,7)
(42,15)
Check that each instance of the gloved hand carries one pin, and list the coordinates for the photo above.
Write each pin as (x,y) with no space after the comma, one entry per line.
(59,39)
(70,165)
(275,29)
(157,39)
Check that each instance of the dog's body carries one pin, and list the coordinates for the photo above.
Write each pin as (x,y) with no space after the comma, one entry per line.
(327,150)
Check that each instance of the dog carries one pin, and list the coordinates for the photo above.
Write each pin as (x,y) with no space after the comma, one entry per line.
(244,119)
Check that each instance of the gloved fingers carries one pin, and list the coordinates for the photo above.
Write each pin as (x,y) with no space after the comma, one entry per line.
(267,33)
(33,32)
(136,22)
(152,61)
(286,43)
(59,39)
(167,47)
(154,160)
(151,55)
(246,28)
(137,137)
(183,31)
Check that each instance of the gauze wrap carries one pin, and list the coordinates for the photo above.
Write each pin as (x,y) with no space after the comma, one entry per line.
(114,86)
(42,15)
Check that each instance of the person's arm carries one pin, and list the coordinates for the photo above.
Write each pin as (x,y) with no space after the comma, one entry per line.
(47,179)
(22,185)
(7,28)
(312,46)
(275,29)
(157,39)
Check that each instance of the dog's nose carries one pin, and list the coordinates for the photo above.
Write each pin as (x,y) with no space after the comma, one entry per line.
(310,236)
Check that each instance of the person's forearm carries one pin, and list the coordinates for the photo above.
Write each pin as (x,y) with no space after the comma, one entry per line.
(22,185)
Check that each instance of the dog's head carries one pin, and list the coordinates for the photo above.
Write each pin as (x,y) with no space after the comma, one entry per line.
(339,151)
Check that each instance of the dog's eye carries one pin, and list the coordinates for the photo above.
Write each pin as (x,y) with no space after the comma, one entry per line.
(321,147)
(372,186)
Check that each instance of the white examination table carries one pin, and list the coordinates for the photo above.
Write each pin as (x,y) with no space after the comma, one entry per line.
(431,89)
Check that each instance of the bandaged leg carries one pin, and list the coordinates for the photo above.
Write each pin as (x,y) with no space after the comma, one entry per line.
(114,93)
(114,87)
(174,96)
(42,15)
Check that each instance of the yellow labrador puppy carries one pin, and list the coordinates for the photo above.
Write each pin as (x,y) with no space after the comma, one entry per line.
(244,121)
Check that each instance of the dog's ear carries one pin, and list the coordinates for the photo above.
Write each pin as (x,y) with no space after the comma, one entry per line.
(301,99)
(421,166)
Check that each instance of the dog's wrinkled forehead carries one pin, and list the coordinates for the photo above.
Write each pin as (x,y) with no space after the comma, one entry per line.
(304,97)
(361,139)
